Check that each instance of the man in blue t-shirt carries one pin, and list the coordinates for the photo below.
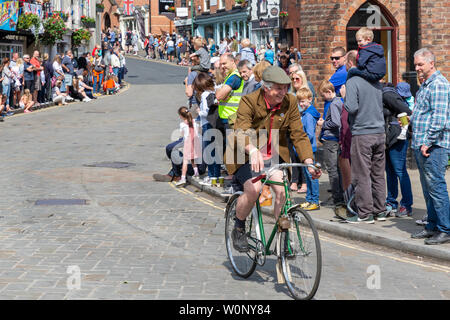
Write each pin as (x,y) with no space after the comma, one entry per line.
(28,73)
(68,68)
(232,82)
(340,75)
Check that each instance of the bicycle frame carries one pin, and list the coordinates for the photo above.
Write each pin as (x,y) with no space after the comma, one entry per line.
(284,210)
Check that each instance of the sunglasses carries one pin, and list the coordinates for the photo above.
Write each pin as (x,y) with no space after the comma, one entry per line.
(296,79)
(335,58)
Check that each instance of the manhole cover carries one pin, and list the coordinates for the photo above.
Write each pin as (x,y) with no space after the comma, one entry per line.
(60,202)
(114,164)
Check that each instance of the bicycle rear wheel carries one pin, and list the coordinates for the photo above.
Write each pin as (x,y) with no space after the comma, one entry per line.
(243,263)
(301,257)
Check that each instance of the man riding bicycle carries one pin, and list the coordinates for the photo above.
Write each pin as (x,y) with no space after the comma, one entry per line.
(269,114)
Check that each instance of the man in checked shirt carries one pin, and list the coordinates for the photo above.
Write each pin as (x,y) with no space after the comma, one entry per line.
(431,145)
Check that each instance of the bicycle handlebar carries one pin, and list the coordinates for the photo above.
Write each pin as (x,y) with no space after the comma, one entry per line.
(315,167)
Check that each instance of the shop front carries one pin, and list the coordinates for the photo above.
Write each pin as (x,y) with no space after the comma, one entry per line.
(265,31)
(223,24)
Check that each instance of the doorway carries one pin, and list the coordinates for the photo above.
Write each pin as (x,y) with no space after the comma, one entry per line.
(376,17)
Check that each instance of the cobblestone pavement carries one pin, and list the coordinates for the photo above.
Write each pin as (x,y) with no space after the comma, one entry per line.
(136,238)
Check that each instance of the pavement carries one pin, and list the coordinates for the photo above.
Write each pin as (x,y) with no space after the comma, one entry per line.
(393,233)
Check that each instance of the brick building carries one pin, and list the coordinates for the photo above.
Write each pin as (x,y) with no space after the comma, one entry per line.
(161,22)
(399,26)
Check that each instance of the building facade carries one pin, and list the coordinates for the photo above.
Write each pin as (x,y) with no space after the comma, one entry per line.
(12,39)
(215,19)
(158,15)
(401,27)
(265,23)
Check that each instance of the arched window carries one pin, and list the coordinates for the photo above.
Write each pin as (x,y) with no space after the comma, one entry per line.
(376,17)
(107,20)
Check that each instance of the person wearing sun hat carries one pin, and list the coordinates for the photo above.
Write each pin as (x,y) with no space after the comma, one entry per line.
(271,113)
(404,90)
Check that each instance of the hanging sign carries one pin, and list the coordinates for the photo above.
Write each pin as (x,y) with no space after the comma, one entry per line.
(9,14)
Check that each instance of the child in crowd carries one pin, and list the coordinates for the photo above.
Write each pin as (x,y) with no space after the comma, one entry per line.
(371,62)
(204,87)
(26,102)
(184,60)
(404,90)
(247,52)
(205,59)
(191,144)
(310,116)
(329,136)
(58,96)
(109,86)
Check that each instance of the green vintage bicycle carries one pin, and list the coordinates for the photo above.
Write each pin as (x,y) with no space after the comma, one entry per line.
(295,238)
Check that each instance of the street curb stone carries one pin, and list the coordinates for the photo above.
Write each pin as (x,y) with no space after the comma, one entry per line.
(47,105)
(351,232)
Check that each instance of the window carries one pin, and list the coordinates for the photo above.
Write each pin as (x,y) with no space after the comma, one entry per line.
(263,6)
(6,50)
(221,4)
(374,16)
(183,4)
(206,5)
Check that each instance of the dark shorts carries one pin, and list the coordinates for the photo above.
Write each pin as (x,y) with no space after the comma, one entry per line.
(245,172)
(29,84)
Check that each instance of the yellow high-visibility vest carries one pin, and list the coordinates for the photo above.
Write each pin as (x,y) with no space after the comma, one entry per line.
(230,105)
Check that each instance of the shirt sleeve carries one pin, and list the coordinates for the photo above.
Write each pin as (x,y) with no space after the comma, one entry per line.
(440,113)
(351,98)
(234,82)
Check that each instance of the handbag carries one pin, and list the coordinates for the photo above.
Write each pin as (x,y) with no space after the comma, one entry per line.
(53,81)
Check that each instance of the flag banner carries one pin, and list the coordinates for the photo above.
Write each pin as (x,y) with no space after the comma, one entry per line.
(140,23)
(9,14)
(128,7)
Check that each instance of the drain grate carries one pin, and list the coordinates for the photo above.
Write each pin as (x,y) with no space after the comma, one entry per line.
(60,202)
(113,164)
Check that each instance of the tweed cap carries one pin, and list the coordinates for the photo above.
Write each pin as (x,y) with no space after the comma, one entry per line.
(276,75)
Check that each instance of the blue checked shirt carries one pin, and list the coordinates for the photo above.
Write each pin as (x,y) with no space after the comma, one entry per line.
(431,119)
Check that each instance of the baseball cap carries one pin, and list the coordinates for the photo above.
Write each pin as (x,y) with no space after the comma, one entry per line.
(276,75)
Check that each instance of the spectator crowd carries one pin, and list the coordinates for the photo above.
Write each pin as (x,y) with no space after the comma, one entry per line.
(30,82)
(365,130)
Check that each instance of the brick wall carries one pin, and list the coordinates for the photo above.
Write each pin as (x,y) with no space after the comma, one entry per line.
(434,31)
(323,27)
(110,9)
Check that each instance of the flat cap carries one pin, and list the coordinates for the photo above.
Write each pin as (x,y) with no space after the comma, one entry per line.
(276,75)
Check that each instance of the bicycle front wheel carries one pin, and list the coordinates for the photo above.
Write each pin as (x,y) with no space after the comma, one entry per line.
(243,263)
(301,257)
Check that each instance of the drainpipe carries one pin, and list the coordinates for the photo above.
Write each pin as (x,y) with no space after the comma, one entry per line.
(413,40)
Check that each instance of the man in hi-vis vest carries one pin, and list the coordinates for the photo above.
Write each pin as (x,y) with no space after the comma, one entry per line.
(230,94)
